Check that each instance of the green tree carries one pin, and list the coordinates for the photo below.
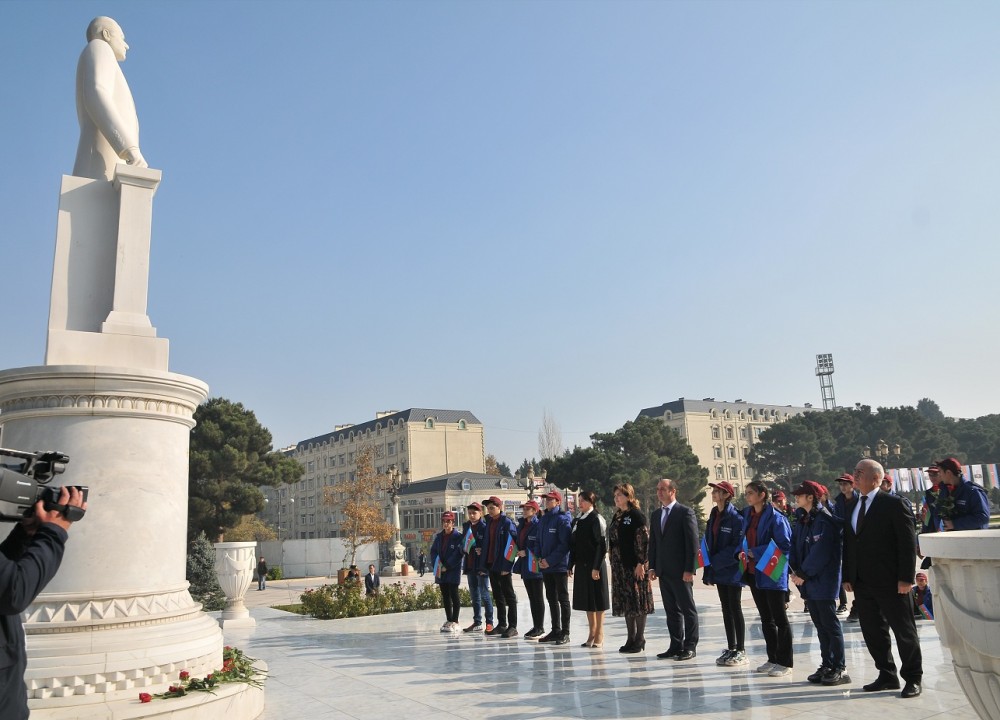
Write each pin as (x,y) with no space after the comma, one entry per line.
(930,410)
(204,583)
(231,457)
(251,529)
(640,452)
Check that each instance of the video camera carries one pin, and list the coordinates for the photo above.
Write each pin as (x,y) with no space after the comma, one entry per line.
(24,484)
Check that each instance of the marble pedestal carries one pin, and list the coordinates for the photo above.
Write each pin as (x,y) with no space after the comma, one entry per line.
(965,579)
(234,566)
(117,619)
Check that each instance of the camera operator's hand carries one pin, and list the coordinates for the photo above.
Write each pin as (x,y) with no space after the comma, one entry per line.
(67,496)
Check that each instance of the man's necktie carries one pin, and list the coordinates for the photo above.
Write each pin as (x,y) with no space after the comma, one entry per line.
(861,513)
(663,518)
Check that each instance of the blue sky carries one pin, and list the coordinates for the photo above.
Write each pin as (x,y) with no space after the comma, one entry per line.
(508,207)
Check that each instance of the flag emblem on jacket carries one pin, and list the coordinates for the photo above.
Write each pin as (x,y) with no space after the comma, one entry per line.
(510,552)
(925,612)
(533,564)
(468,541)
(743,556)
(437,567)
(703,560)
(773,562)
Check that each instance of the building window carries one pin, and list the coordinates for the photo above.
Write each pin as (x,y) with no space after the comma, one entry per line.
(756,432)
(746,451)
(715,432)
(461,424)
(719,473)
(732,452)
(743,433)
(466,485)
(717,451)
(390,448)
(729,433)
(310,466)
(748,471)
(504,485)
(429,424)
(350,458)
(733,472)
(341,460)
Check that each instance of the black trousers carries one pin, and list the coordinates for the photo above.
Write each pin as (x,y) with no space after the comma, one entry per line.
(536,602)
(878,611)
(557,593)
(774,624)
(449,596)
(504,599)
(732,615)
(682,614)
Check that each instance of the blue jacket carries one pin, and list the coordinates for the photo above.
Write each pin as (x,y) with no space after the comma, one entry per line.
(817,550)
(473,564)
(530,545)
(724,565)
(505,532)
(972,510)
(556,532)
(451,558)
(772,525)
(840,504)
(928,602)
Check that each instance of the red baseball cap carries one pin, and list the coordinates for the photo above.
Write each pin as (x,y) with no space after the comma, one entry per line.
(725,487)
(553,495)
(810,487)
(847,478)
(531,504)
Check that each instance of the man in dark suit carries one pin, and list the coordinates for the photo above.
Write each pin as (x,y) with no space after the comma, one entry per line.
(673,549)
(880,548)
(372,581)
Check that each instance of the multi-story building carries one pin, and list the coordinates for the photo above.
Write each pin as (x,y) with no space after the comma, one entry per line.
(722,433)
(421,443)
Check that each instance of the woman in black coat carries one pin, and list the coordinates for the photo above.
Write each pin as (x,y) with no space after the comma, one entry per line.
(590,585)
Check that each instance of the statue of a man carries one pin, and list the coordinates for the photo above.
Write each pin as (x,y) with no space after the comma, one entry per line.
(109,127)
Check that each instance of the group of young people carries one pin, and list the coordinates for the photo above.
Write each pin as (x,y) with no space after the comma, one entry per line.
(864,541)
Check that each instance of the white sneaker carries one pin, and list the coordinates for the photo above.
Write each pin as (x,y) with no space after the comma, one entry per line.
(446,627)
(780,671)
(766,667)
(455,628)
(736,658)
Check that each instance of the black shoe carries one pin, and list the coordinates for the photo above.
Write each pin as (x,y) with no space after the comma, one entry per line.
(820,674)
(686,655)
(837,677)
(883,682)
(668,655)
(510,632)
(497,631)
(911,689)
(841,609)
(637,646)
(534,633)
(852,616)
(626,647)
(551,637)
(563,639)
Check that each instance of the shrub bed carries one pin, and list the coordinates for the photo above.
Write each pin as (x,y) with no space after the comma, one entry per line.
(345,601)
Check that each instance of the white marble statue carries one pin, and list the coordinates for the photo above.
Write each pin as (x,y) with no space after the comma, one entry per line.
(109,127)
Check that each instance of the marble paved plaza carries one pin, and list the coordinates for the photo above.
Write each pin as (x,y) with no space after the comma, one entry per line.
(400,666)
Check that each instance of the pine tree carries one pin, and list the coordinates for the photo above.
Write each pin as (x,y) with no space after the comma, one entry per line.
(201,575)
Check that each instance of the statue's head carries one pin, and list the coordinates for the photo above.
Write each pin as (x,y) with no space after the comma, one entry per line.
(106,29)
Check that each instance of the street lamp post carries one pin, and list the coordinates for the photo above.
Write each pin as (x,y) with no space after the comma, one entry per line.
(397,481)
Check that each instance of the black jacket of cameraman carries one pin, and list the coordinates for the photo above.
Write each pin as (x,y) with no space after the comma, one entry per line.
(27,565)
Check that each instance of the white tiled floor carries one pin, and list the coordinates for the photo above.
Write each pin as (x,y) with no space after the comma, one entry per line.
(400,666)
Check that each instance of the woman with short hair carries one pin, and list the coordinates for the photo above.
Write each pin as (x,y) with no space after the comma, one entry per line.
(589,550)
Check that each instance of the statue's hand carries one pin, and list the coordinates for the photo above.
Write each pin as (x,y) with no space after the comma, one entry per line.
(132,156)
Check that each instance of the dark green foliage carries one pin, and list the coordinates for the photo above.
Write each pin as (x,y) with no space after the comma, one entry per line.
(231,457)
(640,452)
(274,573)
(347,600)
(201,575)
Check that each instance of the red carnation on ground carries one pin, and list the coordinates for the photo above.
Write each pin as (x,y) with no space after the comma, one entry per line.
(145,697)
(185,674)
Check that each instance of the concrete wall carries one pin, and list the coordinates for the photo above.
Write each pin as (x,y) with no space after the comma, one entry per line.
(314,558)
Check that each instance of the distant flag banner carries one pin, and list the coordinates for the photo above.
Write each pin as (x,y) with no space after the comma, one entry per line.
(743,562)
(773,562)
(976,473)
(920,479)
(925,612)
(905,483)
(893,476)
(967,473)
(533,564)
(437,567)
(993,475)
(469,541)
(510,552)
(703,560)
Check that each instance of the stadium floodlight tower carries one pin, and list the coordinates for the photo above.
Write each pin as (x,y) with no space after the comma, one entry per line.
(824,370)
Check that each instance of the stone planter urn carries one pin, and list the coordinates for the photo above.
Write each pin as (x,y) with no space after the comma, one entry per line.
(234,566)
(965,580)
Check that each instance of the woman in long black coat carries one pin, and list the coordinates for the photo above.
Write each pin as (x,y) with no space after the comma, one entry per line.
(590,584)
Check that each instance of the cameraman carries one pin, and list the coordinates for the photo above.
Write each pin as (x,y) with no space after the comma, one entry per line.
(31,555)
